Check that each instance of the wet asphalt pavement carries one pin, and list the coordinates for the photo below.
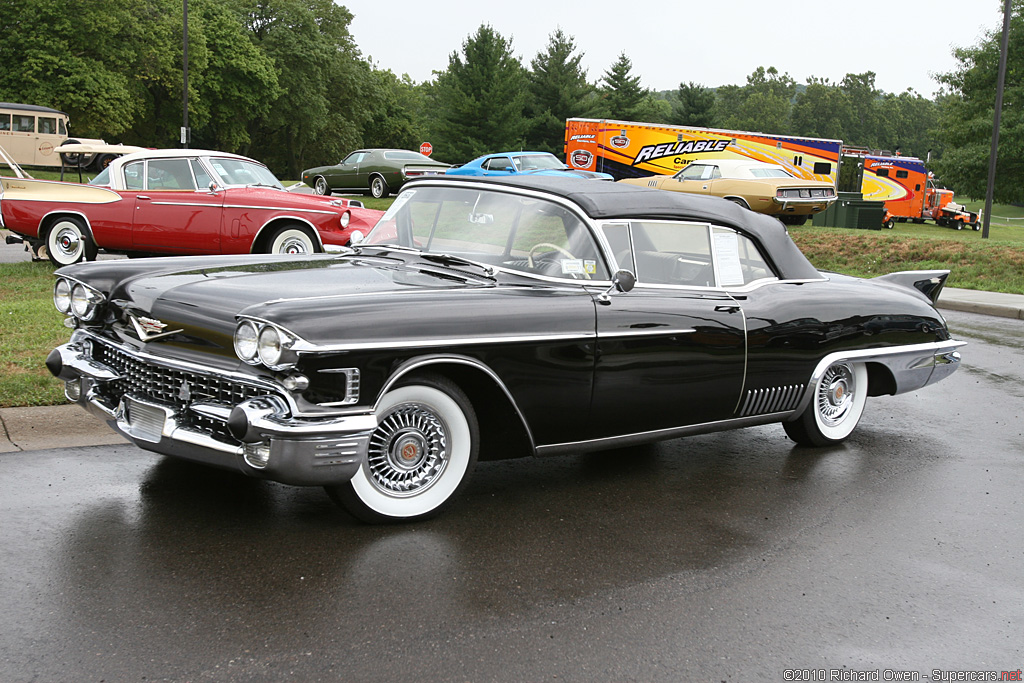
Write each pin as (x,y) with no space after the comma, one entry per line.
(726,557)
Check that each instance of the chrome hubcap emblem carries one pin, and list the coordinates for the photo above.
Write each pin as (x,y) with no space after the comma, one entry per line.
(408,450)
(835,394)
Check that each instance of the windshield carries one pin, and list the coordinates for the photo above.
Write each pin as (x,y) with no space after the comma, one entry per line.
(495,228)
(240,172)
(537,162)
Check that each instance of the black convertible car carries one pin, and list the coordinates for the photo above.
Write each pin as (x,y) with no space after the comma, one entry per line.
(489,319)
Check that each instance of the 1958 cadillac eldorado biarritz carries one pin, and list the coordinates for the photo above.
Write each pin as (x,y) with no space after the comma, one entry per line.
(484,319)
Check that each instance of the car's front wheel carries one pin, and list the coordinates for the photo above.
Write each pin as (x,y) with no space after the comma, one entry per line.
(836,406)
(292,240)
(320,186)
(420,455)
(69,242)
(379,187)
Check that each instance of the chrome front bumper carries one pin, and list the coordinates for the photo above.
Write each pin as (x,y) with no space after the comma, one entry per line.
(302,451)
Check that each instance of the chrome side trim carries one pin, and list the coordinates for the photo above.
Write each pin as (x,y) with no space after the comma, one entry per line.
(656,435)
(304,347)
(647,332)
(771,400)
(278,208)
(424,361)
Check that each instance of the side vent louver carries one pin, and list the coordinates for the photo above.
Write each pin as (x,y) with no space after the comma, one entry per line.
(771,400)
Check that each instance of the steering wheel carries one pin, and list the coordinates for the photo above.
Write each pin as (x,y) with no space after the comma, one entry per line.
(561,250)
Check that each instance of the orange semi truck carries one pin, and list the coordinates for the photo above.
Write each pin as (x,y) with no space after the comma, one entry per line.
(627,149)
(909,192)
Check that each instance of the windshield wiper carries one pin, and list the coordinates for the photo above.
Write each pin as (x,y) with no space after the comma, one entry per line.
(452,260)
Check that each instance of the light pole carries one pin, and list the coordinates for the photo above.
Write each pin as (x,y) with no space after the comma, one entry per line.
(184,62)
(1000,82)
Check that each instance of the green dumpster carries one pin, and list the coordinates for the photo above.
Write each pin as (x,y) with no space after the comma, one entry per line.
(851,210)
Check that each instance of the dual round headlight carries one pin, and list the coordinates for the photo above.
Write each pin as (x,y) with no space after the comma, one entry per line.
(74,298)
(262,343)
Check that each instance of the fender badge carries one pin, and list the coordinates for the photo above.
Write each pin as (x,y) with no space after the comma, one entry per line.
(149,329)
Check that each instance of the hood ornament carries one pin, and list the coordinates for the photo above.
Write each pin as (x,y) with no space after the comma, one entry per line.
(149,329)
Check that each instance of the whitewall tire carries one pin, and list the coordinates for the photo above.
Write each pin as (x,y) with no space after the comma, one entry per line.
(420,456)
(836,406)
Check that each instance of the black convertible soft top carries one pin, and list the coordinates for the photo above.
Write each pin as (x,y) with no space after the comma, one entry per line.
(604,200)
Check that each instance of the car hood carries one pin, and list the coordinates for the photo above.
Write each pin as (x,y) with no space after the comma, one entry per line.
(204,296)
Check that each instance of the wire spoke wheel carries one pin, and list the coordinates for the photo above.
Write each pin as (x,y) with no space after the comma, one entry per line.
(419,456)
(835,408)
(408,451)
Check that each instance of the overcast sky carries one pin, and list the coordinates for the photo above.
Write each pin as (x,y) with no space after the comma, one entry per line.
(710,42)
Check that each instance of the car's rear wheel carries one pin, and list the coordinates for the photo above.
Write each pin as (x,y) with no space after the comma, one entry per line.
(69,242)
(293,240)
(740,201)
(889,224)
(836,406)
(420,455)
(320,186)
(379,187)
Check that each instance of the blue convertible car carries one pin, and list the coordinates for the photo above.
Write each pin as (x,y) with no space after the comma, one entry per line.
(506,164)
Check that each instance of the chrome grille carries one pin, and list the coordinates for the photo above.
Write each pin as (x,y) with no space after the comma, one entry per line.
(171,386)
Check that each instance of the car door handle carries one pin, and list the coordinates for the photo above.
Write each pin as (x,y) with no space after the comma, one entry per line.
(142,196)
(728,309)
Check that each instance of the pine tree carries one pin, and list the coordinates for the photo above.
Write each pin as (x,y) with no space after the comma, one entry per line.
(559,90)
(478,103)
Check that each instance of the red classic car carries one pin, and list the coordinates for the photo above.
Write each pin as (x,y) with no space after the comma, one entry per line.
(177,201)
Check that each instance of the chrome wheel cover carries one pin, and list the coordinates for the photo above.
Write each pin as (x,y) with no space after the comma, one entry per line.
(66,242)
(408,451)
(377,188)
(293,245)
(321,186)
(835,395)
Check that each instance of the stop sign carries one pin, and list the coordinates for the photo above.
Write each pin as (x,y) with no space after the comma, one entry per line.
(426,148)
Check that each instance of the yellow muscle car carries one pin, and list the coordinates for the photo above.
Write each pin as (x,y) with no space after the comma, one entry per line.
(756,185)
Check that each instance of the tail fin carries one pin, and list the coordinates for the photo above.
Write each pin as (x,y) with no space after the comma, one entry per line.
(928,282)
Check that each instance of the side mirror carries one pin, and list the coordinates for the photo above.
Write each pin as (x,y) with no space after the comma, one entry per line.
(623,281)
(214,187)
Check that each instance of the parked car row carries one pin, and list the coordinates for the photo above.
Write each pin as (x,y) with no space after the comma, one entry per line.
(383,172)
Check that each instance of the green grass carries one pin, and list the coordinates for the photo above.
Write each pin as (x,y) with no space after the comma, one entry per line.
(995,264)
(29,328)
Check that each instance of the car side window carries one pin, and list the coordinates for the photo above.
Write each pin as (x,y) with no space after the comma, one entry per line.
(499,164)
(134,175)
(169,174)
(617,235)
(739,260)
(693,172)
(203,178)
(5,121)
(669,253)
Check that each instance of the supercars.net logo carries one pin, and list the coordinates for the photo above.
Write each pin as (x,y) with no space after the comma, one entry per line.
(667,149)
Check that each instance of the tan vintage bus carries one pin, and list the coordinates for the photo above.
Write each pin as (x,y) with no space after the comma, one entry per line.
(31,134)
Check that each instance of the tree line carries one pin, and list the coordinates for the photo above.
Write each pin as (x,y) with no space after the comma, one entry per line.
(284,81)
